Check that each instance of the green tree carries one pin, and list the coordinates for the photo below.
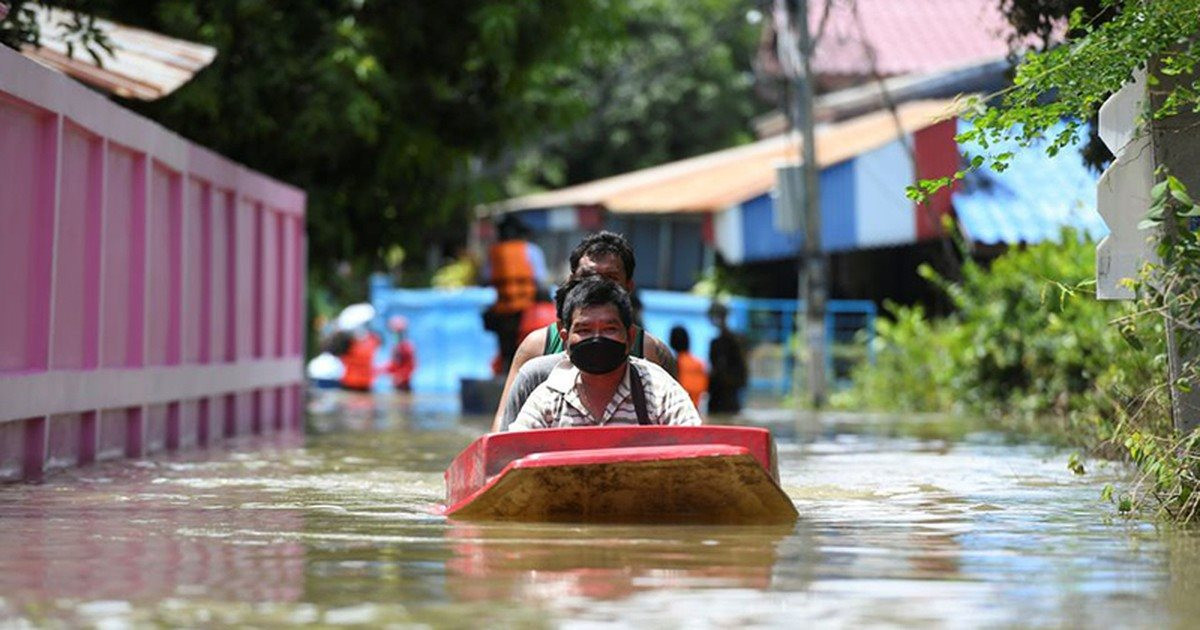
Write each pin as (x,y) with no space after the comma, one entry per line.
(676,84)
(1111,40)
(377,108)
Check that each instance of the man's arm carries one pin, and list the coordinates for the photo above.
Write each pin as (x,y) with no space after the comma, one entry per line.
(659,353)
(533,373)
(530,347)
(534,413)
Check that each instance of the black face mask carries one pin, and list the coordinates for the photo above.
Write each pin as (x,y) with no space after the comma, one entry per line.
(597,355)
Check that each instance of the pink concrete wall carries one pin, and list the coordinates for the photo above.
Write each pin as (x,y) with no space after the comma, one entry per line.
(153,290)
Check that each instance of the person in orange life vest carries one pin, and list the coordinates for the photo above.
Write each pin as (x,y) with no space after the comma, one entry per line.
(692,373)
(604,254)
(359,360)
(516,268)
(404,355)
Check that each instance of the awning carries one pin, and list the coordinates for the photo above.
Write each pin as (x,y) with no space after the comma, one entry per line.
(144,65)
(719,180)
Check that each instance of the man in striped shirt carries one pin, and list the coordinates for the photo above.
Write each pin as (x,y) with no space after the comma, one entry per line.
(598,383)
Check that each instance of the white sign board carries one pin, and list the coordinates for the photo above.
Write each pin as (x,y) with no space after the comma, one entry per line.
(1123,194)
(788,198)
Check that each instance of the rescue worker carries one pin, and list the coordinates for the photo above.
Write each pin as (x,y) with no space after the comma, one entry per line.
(359,361)
(692,373)
(515,267)
(404,355)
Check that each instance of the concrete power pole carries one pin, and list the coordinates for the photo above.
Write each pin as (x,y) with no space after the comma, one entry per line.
(798,69)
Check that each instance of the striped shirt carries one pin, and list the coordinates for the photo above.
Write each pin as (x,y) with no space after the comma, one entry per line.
(556,402)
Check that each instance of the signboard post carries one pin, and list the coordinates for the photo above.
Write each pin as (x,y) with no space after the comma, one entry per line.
(1123,199)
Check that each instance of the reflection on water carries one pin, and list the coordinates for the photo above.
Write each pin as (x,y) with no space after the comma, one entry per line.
(904,522)
(549,562)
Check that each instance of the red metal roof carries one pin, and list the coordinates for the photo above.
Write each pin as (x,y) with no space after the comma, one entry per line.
(904,36)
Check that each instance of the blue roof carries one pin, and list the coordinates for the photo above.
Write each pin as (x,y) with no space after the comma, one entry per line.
(1032,200)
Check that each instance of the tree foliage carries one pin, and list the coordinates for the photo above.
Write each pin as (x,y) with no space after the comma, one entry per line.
(678,83)
(1069,82)
(398,116)
(1125,393)
(376,107)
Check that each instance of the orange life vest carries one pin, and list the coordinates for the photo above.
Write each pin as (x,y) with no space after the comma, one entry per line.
(358,361)
(692,376)
(512,275)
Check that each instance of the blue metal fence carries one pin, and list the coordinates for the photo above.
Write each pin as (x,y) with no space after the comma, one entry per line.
(447,330)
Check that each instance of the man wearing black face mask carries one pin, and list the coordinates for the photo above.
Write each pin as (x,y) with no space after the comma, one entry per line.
(602,384)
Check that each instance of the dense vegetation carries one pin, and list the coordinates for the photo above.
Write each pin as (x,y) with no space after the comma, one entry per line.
(1028,344)
(1044,351)
(398,117)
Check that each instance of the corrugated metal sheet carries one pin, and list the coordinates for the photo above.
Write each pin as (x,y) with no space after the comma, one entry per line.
(906,36)
(862,206)
(1032,200)
(715,181)
(144,65)
(886,38)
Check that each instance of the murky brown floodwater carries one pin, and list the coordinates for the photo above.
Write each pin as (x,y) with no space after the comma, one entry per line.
(913,526)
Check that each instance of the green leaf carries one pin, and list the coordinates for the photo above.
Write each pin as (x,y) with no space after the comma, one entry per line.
(1159,191)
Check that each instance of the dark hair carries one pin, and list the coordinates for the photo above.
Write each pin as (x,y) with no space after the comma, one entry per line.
(510,227)
(679,340)
(560,294)
(595,290)
(604,244)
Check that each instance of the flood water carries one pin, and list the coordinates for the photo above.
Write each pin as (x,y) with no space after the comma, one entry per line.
(904,522)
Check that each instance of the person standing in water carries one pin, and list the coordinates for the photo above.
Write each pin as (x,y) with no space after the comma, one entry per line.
(692,374)
(728,362)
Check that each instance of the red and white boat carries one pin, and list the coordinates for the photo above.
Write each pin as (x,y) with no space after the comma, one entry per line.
(704,474)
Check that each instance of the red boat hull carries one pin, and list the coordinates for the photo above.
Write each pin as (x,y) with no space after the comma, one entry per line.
(620,474)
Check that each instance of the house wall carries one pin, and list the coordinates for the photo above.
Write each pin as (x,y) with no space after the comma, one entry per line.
(153,290)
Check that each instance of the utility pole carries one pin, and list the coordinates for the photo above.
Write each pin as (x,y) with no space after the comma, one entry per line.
(797,67)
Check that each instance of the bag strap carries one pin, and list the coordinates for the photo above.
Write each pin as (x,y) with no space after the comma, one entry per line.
(638,394)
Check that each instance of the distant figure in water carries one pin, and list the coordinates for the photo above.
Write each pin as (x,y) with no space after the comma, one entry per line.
(692,373)
(359,361)
(404,355)
(728,361)
(516,267)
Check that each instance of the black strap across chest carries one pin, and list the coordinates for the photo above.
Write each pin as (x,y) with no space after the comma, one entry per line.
(639,395)
(636,391)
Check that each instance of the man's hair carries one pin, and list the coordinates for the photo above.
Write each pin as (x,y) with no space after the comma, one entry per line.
(604,244)
(593,290)
(679,340)
(510,228)
(560,294)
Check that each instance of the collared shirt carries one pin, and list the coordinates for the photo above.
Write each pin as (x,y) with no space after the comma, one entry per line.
(556,402)
(533,373)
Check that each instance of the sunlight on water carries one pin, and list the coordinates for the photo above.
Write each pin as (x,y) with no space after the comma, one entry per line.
(902,523)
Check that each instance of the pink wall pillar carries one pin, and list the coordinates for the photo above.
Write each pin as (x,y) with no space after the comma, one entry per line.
(154,288)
